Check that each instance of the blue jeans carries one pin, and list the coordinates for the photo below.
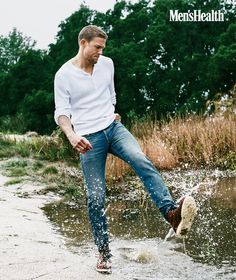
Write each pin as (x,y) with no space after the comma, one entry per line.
(117,140)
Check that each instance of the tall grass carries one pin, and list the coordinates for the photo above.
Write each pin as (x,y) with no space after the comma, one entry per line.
(199,141)
(190,142)
(54,148)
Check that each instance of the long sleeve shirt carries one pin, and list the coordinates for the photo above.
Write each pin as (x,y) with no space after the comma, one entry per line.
(87,99)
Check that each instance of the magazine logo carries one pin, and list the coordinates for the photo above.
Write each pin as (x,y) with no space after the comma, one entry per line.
(196,15)
(229,2)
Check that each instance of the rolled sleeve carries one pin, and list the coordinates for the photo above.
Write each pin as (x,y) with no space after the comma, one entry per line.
(62,98)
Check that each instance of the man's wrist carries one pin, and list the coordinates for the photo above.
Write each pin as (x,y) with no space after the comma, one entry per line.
(70,134)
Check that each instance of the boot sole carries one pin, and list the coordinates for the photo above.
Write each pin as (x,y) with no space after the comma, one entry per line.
(188,213)
(104,271)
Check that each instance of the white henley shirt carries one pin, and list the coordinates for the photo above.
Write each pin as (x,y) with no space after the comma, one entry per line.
(87,99)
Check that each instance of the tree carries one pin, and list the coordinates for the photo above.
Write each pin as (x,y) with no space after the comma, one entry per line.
(161,67)
(223,63)
(180,54)
(12,47)
(31,72)
(66,45)
(37,108)
(127,24)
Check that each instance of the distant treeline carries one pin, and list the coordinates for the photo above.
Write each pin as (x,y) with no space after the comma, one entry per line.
(162,68)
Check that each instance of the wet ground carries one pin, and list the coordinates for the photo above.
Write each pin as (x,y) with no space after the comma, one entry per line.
(42,237)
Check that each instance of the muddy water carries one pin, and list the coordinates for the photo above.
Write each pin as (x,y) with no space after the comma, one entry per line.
(137,233)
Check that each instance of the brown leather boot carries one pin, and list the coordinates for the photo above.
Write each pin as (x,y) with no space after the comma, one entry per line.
(182,217)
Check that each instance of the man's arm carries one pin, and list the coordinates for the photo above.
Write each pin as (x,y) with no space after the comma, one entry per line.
(79,143)
(111,85)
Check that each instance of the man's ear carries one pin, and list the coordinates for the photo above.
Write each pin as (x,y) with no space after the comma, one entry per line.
(83,42)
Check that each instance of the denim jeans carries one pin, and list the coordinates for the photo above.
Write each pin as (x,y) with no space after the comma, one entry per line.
(117,140)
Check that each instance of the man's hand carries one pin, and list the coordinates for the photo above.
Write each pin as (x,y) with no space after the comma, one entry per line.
(118,117)
(79,143)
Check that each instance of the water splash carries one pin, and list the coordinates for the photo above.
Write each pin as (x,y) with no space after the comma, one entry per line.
(207,253)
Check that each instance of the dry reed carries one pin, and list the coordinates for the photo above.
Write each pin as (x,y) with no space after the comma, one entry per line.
(195,141)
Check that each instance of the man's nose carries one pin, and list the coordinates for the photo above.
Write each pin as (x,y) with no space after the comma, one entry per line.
(100,51)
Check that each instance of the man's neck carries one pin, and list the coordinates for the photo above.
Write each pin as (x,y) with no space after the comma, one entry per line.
(79,62)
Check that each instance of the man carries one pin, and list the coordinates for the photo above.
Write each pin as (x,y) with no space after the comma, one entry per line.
(85,99)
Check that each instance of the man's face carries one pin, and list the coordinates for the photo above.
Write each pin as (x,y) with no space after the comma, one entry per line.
(93,49)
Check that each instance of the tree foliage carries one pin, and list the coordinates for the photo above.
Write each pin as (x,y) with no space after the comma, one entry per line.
(12,47)
(161,67)
(36,109)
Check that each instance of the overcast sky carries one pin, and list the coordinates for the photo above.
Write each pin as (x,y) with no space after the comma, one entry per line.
(39,19)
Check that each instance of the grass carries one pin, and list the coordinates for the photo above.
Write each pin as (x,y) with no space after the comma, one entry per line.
(57,177)
(16,163)
(193,142)
(50,170)
(73,192)
(63,180)
(16,168)
(13,181)
(228,161)
(16,172)
(7,148)
(200,141)
(54,148)
(37,165)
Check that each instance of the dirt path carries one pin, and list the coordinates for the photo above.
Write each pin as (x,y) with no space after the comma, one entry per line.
(29,247)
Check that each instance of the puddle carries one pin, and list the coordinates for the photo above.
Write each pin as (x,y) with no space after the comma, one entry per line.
(137,233)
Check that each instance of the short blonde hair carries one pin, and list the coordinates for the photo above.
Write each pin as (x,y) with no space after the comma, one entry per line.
(91,31)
